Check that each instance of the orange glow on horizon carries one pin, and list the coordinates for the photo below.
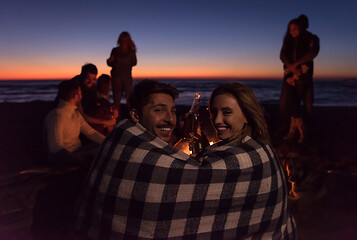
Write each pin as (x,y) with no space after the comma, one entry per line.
(14,72)
(67,70)
(63,71)
(28,74)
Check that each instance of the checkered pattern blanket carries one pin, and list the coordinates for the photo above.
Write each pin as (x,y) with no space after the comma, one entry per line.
(140,187)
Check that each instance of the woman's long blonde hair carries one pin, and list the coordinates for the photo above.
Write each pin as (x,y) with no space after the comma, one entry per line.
(256,127)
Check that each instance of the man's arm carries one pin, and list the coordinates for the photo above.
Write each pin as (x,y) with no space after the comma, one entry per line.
(89,132)
(54,134)
(106,123)
(314,48)
(93,120)
(285,60)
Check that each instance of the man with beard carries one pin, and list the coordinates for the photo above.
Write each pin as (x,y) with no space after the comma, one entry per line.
(152,105)
(129,165)
(64,124)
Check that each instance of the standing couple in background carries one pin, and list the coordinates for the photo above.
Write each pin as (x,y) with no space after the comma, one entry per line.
(140,187)
(299,49)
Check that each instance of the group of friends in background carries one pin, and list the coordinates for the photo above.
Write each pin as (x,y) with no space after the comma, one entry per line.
(140,186)
(83,107)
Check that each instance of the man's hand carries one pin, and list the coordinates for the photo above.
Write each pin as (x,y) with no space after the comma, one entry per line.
(293,68)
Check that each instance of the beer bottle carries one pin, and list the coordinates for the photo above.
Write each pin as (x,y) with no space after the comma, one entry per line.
(194,139)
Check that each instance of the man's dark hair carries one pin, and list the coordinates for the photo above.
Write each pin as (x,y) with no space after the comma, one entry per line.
(89,68)
(143,90)
(67,88)
(304,21)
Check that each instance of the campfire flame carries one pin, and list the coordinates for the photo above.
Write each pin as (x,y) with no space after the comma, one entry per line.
(183,145)
(292,193)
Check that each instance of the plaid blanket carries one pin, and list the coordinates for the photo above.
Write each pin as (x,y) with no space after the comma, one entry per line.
(140,187)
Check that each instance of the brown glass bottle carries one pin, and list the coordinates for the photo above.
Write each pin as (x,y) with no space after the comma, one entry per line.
(194,139)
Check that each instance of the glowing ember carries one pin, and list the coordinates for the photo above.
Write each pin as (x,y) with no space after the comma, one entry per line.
(183,145)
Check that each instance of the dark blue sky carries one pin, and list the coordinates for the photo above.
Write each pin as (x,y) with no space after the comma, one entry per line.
(53,39)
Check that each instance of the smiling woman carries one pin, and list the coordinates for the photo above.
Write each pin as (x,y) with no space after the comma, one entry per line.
(245,148)
(227,116)
(236,113)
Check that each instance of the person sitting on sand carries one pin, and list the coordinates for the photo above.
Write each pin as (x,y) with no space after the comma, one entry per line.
(103,109)
(103,89)
(65,123)
(259,192)
(140,187)
(87,80)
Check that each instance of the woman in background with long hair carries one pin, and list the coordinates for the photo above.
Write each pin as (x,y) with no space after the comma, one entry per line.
(122,59)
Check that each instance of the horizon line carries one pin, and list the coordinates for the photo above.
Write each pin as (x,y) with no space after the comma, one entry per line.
(194,78)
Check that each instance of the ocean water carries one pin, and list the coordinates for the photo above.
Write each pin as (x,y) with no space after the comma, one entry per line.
(327,93)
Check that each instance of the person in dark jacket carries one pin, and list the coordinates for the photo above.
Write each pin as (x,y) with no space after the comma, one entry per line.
(299,49)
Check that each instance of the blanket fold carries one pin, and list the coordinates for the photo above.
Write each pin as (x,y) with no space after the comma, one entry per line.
(142,188)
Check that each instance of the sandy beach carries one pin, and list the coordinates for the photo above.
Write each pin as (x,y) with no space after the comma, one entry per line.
(324,204)
(332,139)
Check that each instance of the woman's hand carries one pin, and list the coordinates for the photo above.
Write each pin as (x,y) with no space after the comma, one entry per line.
(291,81)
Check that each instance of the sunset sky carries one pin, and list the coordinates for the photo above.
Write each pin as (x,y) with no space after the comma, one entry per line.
(41,39)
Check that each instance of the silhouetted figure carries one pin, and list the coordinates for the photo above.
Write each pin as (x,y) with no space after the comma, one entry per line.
(299,49)
(88,105)
(309,96)
(103,109)
(88,78)
(103,89)
(122,59)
